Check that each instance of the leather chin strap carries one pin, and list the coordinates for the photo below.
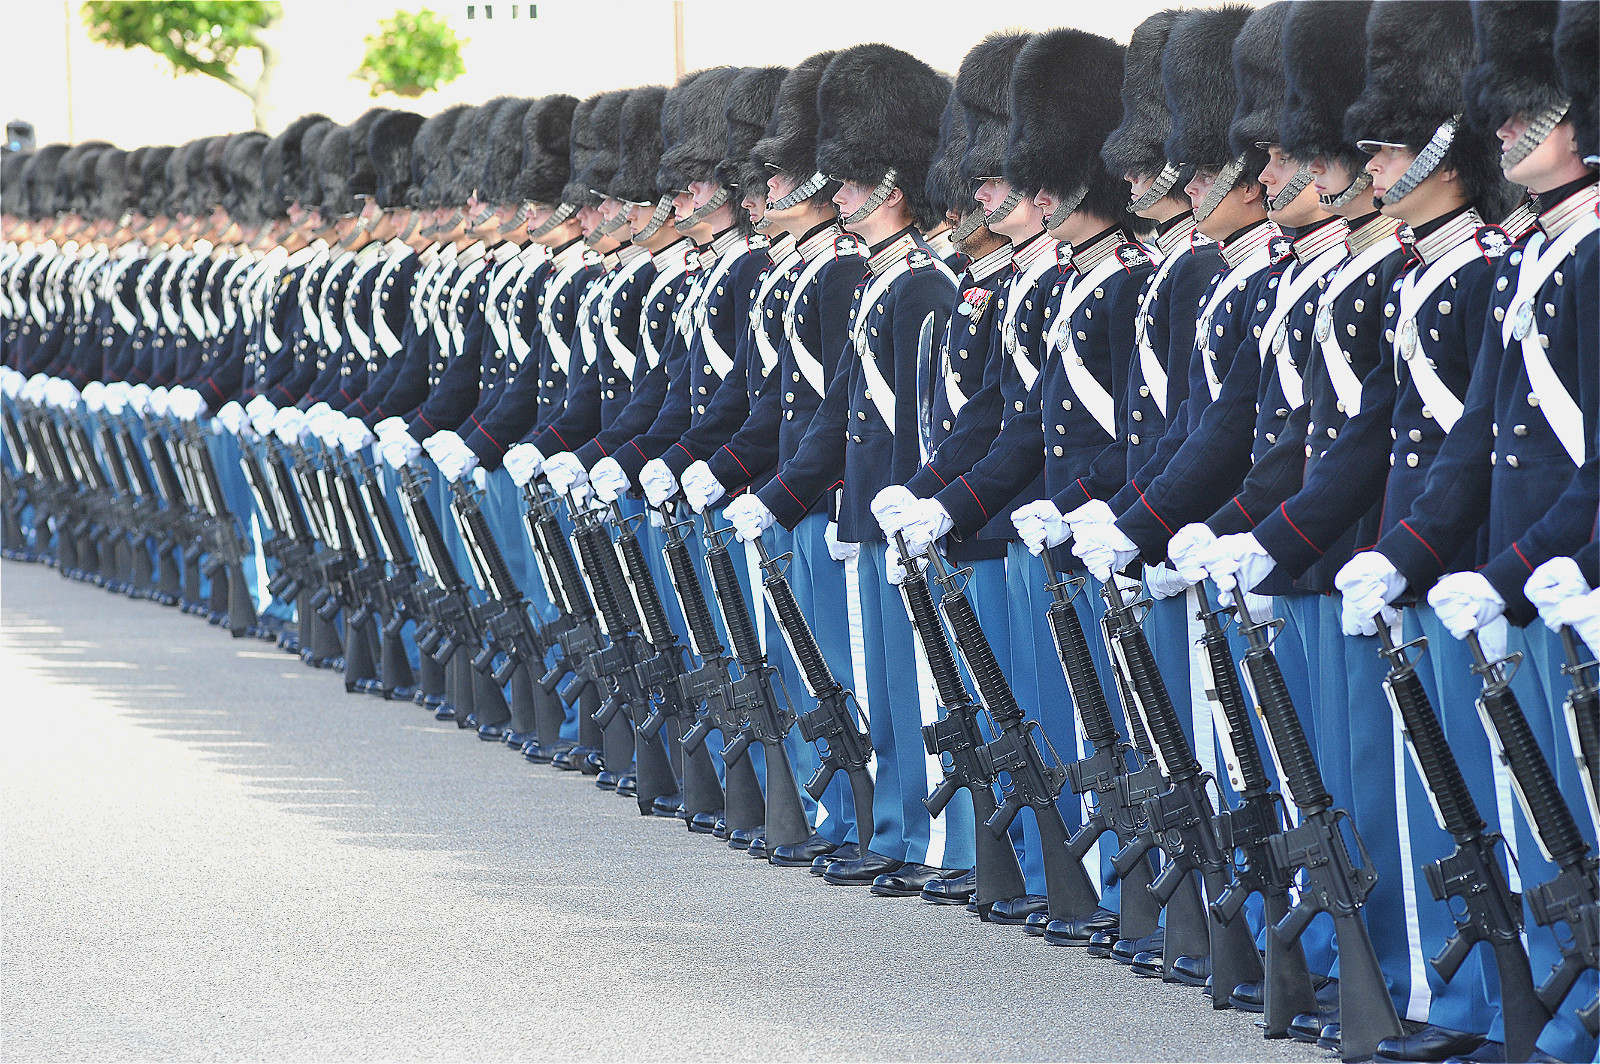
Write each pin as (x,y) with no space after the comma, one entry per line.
(1065,208)
(1340,199)
(1002,212)
(800,193)
(516,220)
(606,228)
(969,224)
(1426,162)
(562,212)
(1224,184)
(704,211)
(1290,192)
(1534,135)
(1163,184)
(874,201)
(658,218)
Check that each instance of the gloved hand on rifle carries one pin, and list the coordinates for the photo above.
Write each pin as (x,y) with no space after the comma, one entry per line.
(1369,582)
(1553,583)
(701,487)
(565,473)
(399,449)
(657,481)
(354,435)
(63,394)
(116,400)
(185,403)
(523,462)
(232,416)
(839,552)
(1240,561)
(138,398)
(287,425)
(94,396)
(925,522)
(1192,550)
(389,426)
(608,480)
(261,413)
(1093,512)
(1465,602)
(892,506)
(749,517)
(1102,547)
(1164,582)
(1040,524)
(326,427)
(11,382)
(451,454)
(1579,612)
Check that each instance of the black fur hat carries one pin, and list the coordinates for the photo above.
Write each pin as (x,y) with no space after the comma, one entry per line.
(790,142)
(241,162)
(39,180)
(1577,45)
(152,179)
(389,147)
(469,152)
(579,145)
(945,189)
(75,178)
(288,156)
(983,92)
(310,173)
(1516,69)
(546,150)
(178,180)
(333,173)
(1136,146)
(13,191)
(879,110)
(639,146)
(363,177)
(1258,75)
(1065,100)
(429,157)
(696,136)
(217,171)
(202,196)
(594,149)
(750,106)
(505,152)
(1324,67)
(1197,77)
(1418,53)
(110,184)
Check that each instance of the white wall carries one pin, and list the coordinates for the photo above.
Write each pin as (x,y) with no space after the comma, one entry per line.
(576,46)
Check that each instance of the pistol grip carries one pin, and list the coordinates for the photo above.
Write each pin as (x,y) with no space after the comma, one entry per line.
(941,795)
(1000,822)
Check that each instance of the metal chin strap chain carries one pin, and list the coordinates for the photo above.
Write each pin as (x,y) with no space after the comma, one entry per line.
(701,213)
(562,212)
(1226,180)
(363,223)
(516,220)
(1339,199)
(1065,208)
(801,192)
(411,225)
(488,212)
(1007,205)
(762,224)
(1163,184)
(446,225)
(606,228)
(1427,160)
(662,212)
(874,201)
(1534,135)
(969,224)
(1290,192)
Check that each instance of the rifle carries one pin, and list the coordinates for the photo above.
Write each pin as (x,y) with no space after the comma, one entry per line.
(17,489)
(1333,883)
(1572,897)
(610,665)
(1119,794)
(1245,831)
(842,739)
(1035,783)
(1582,711)
(762,717)
(1179,820)
(321,645)
(399,591)
(1469,881)
(958,734)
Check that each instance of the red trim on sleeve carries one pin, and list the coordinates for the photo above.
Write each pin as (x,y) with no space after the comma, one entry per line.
(975,498)
(557,435)
(792,495)
(935,472)
(1240,506)
(1425,543)
(1523,556)
(1146,504)
(1297,531)
(736,459)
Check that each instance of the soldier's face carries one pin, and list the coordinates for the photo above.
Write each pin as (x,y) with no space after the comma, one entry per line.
(683,205)
(1552,164)
(1281,169)
(754,203)
(1387,166)
(1199,185)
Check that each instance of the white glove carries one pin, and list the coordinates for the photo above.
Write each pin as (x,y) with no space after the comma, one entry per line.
(1581,613)
(160,401)
(455,462)
(701,487)
(119,388)
(1164,582)
(1240,561)
(657,481)
(839,552)
(94,396)
(894,566)
(389,426)
(891,507)
(1192,551)
(1093,512)
(139,398)
(443,441)
(522,462)
(354,435)
(1040,524)
(317,410)
(608,480)
(328,427)
(565,472)
(1369,582)
(1465,602)
(924,523)
(480,475)
(11,384)
(115,401)
(185,403)
(749,517)
(400,450)
(1102,547)
(34,390)
(232,416)
(286,424)
(67,394)
(1554,582)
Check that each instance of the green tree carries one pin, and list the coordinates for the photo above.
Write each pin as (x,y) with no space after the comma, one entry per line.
(195,36)
(413,53)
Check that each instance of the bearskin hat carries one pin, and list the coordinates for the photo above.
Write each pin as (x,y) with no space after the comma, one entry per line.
(546,150)
(1258,75)
(152,179)
(1324,67)
(389,146)
(363,178)
(241,162)
(879,109)
(429,149)
(290,142)
(596,135)
(1136,146)
(578,148)
(639,146)
(13,192)
(111,184)
(750,106)
(1577,45)
(505,152)
(1197,78)
(39,180)
(333,173)
(1516,69)
(310,172)
(790,142)
(1065,101)
(983,92)
(695,136)
(945,189)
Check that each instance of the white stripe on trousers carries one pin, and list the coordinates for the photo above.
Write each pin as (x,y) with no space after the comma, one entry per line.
(858,664)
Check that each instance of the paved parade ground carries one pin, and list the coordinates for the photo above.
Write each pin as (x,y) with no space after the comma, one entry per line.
(212,852)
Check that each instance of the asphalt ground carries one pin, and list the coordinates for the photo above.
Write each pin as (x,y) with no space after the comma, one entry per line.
(211,851)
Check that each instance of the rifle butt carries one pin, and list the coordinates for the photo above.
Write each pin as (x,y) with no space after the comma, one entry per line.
(1525,1015)
(786,815)
(702,792)
(744,806)
(1234,959)
(654,765)
(1070,891)
(1366,1011)
(999,874)
(1287,982)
